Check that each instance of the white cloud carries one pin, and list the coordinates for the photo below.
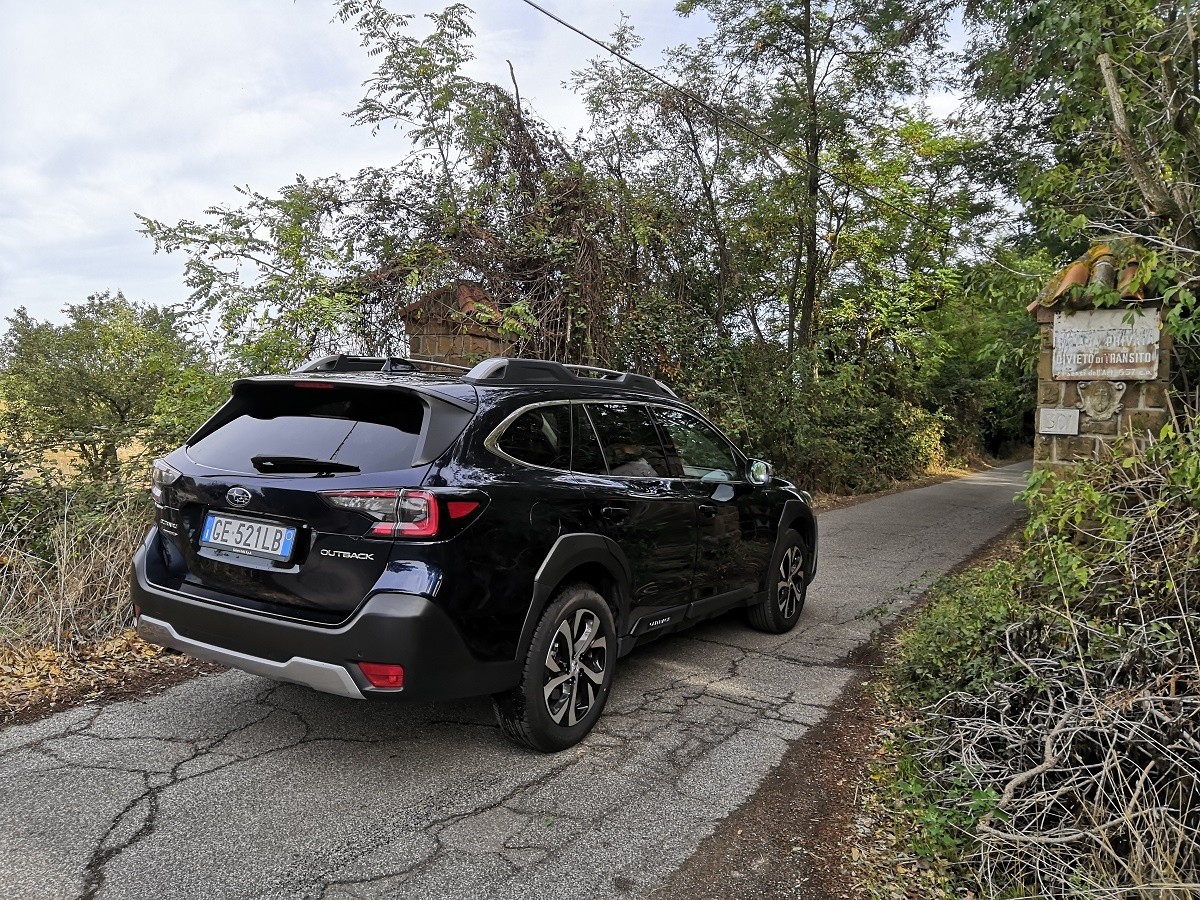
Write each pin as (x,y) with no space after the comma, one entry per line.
(161,107)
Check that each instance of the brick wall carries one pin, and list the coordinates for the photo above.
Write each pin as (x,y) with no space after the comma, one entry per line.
(462,349)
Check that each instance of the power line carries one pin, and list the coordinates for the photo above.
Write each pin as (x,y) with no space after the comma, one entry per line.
(794,156)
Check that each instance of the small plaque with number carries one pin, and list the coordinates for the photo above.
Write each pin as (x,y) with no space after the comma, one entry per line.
(1058,421)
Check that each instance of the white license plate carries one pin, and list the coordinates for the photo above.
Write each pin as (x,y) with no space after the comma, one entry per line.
(250,536)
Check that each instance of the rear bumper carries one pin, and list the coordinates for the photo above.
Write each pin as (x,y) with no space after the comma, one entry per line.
(313,673)
(391,627)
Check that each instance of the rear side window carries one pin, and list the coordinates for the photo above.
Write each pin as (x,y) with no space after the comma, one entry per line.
(374,430)
(629,440)
(540,437)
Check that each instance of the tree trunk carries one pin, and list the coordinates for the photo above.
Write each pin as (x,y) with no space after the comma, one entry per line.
(812,187)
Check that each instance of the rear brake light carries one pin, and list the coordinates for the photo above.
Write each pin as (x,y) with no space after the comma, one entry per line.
(319,385)
(383,675)
(161,475)
(459,508)
(397,513)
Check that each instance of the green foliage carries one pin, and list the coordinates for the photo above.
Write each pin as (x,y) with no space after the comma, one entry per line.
(1090,116)
(183,405)
(89,385)
(938,820)
(957,643)
(844,432)
(1087,532)
(296,299)
(984,377)
(663,239)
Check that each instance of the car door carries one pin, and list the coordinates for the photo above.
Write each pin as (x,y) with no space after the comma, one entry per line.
(735,535)
(638,503)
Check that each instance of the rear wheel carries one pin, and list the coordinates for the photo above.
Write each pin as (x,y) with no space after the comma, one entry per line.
(786,590)
(567,674)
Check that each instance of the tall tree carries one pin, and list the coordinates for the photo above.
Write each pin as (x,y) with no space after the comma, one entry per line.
(91,384)
(831,65)
(680,179)
(1094,115)
(482,191)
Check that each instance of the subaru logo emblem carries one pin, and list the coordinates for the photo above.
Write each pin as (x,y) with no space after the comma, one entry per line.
(237,496)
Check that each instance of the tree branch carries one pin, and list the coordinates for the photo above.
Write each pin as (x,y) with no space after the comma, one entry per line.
(1154,193)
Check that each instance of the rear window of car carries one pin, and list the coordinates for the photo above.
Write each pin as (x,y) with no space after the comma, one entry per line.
(629,440)
(374,430)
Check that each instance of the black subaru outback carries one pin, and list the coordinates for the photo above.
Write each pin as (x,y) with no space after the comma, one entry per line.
(371,528)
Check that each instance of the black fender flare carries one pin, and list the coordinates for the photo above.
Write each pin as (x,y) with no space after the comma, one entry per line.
(798,516)
(569,552)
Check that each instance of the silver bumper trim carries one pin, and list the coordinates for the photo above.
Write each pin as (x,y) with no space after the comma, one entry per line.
(321,676)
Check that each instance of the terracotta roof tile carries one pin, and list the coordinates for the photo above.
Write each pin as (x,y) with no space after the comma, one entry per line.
(1113,266)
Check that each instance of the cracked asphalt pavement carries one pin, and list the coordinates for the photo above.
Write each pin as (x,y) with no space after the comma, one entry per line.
(232,786)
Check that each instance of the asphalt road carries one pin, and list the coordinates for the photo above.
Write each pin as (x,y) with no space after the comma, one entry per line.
(231,786)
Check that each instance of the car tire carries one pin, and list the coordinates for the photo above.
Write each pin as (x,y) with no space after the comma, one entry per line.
(567,674)
(786,589)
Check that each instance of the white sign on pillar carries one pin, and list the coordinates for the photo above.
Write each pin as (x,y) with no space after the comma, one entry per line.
(1106,345)
(1058,421)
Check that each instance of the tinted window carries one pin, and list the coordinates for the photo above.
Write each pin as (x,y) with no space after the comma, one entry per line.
(587,456)
(629,440)
(540,437)
(377,431)
(702,451)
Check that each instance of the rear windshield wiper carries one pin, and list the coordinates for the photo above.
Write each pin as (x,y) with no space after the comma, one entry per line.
(272,464)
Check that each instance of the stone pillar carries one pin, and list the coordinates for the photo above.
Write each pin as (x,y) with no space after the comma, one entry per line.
(452,324)
(1103,377)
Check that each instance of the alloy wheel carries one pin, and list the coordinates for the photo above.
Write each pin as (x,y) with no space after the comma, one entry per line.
(574,670)
(790,591)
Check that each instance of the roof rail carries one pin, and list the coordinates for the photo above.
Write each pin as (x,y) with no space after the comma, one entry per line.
(342,362)
(542,371)
(497,369)
(614,375)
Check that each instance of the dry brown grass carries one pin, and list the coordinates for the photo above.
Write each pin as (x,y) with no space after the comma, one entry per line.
(64,570)
(1088,737)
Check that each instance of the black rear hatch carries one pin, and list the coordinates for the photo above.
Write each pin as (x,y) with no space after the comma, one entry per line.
(251,517)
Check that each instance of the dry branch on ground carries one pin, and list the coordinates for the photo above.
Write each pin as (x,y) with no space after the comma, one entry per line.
(1090,737)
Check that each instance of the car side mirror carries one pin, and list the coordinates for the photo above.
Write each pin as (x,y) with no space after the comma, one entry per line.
(759,472)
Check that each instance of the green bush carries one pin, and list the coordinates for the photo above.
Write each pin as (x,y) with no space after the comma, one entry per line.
(958,641)
(848,430)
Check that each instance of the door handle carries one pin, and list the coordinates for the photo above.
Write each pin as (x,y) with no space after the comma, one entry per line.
(614,513)
(708,510)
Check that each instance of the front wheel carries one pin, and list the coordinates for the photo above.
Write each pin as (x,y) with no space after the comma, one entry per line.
(567,674)
(786,589)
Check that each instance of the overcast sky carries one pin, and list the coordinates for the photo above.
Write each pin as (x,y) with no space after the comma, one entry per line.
(111,107)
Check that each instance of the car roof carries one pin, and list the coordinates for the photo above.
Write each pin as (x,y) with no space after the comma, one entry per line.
(429,376)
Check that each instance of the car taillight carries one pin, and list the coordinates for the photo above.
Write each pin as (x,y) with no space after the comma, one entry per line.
(161,475)
(397,513)
(383,675)
(416,516)
(459,509)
